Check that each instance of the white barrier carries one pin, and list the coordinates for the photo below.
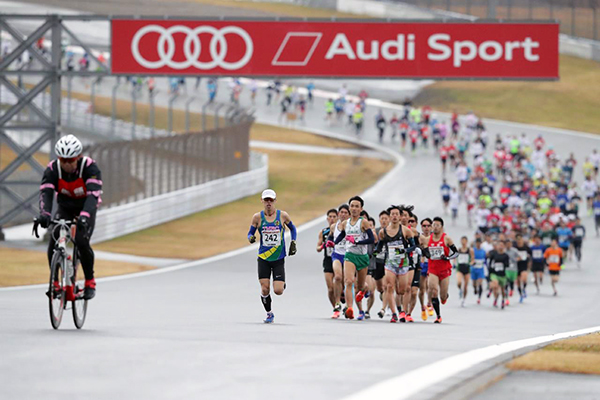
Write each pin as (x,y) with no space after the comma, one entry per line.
(122,220)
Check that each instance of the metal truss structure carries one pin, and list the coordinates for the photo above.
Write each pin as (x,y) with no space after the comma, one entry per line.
(48,66)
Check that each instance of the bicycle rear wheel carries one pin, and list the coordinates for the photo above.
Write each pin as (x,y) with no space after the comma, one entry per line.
(56,293)
(79,303)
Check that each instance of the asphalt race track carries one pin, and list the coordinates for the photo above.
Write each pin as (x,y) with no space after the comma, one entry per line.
(198,332)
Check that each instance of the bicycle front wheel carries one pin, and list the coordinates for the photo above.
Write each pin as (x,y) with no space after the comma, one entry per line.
(79,303)
(56,291)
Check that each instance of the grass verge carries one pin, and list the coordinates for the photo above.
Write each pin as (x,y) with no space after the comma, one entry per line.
(306,185)
(579,355)
(25,267)
(570,103)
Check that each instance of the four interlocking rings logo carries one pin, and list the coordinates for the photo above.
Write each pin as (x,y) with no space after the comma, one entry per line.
(192,47)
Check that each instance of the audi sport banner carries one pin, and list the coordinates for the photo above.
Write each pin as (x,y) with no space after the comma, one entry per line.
(336,49)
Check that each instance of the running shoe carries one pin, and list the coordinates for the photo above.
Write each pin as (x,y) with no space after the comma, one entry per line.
(367,315)
(361,316)
(424,315)
(524,293)
(394,318)
(336,314)
(438,320)
(462,303)
(409,318)
(359,296)
(521,299)
(507,302)
(349,314)
(402,316)
(381,314)
(479,301)
(496,303)
(444,301)
(511,292)
(270,318)
(489,294)
(430,310)
(460,293)
(503,304)
(343,298)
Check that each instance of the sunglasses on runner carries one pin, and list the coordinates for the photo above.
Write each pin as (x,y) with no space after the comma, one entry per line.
(68,160)
(425,225)
(412,221)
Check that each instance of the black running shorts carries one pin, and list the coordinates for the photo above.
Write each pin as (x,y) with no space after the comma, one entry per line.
(327,265)
(537,267)
(464,269)
(266,267)
(379,272)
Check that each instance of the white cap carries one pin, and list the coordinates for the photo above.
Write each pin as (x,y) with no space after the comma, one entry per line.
(269,194)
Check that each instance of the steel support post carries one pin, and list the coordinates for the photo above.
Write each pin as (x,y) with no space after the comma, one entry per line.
(55,88)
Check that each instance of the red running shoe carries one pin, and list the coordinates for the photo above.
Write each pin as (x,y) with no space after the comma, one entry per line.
(409,318)
(402,316)
(394,318)
(438,320)
(349,313)
(359,296)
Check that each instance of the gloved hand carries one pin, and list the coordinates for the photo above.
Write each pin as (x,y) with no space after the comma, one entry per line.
(350,239)
(251,238)
(293,248)
(330,243)
(83,226)
(444,258)
(44,220)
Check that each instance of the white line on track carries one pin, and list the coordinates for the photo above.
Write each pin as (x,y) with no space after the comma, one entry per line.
(414,382)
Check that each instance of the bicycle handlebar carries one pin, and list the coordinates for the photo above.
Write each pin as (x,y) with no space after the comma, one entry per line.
(36,224)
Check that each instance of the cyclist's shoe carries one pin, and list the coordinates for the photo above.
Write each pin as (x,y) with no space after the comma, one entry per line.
(394,318)
(90,289)
(438,320)
(424,315)
(359,296)
(361,316)
(349,314)
(270,318)
(70,293)
(409,318)
(55,288)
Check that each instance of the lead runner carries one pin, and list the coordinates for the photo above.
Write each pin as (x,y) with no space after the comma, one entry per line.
(271,224)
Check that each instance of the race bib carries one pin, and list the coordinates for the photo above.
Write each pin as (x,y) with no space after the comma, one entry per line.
(478,264)
(547,240)
(579,232)
(537,253)
(562,238)
(436,252)
(523,255)
(597,211)
(394,251)
(498,266)
(553,259)
(271,237)
(463,258)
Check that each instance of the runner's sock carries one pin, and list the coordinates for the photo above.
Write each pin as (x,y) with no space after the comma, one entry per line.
(266,300)
(436,306)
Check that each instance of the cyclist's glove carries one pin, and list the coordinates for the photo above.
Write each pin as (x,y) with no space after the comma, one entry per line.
(293,248)
(44,220)
(83,226)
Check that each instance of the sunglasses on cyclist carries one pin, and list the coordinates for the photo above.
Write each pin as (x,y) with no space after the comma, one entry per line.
(68,160)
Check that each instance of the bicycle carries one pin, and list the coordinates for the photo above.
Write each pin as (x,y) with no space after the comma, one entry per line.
(63,286)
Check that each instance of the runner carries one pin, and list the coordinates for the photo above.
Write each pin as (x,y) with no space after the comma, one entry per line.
(454,203)
(438,251)
(416,255)
(478,269)
(498,262)
(426,308)
(445,190)
(371,282)
(512,272)
(358,235)
(578,236)
(554,258)
(465,259)
(524,264)
(338,254)
(327,261)
(538,262)
(379,274)
(396,240)
(271,224)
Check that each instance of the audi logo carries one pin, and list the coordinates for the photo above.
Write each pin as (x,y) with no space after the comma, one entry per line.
(192,47)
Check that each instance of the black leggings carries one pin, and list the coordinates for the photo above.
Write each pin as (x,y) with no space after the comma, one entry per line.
(577,246)
(86,254)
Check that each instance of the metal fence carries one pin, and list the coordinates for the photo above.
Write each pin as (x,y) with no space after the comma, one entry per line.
(577,17)
(138,169)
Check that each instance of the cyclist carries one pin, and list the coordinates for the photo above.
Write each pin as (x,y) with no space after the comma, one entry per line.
(78,182)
